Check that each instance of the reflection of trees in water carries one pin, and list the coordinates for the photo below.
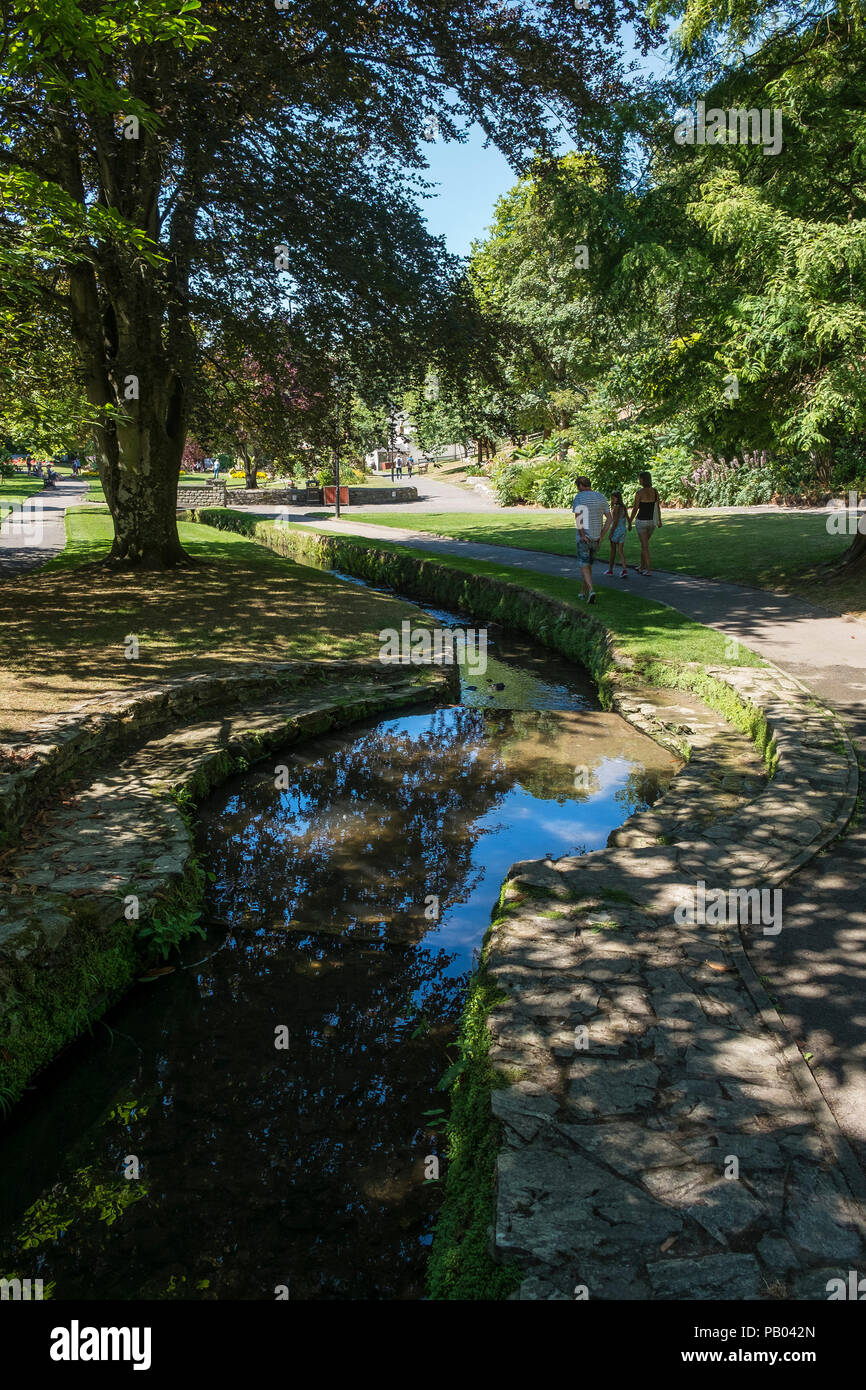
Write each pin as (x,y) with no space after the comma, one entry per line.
(642,787)
(547,779)
(363,835)
(302,1167)
(263,1167)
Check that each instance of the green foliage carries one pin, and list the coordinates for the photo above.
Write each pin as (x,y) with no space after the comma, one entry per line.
(86,1192)
(152,228)
(461,1266)
(612,461)
(722,303)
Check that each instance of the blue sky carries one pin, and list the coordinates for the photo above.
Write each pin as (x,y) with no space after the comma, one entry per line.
(470,178)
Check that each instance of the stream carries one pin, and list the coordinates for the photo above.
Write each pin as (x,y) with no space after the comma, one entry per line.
(275,1089)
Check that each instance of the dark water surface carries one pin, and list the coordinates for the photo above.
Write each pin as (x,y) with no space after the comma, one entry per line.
(346,913)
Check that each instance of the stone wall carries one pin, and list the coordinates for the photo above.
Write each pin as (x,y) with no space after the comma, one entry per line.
(217,495)
(208,495)
(284,497)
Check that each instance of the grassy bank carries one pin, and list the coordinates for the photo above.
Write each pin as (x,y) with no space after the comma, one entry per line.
(769,551)
(643,629)
(63,627)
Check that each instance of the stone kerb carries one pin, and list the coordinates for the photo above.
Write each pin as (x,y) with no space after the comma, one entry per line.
(644,1055)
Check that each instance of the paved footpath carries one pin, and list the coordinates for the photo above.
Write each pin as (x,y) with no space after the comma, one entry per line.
(36,532)
(816,967)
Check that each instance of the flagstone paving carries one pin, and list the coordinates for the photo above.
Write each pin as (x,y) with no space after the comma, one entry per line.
(662,1137)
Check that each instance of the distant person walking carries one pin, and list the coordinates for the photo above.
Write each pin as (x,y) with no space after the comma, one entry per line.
(409,467)
(592,521)
(647,508)
(216,469)
(399,465)
(619,525)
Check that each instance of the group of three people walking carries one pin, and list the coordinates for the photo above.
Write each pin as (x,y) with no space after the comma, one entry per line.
(595,518)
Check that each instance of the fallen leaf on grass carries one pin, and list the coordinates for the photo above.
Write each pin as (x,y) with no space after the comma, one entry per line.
(156,972)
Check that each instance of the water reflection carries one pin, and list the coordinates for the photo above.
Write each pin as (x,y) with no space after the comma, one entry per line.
(347,909)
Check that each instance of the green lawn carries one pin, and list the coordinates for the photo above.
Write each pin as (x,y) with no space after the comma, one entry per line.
(766,550)
(643,628)
(63,626)
(16,489)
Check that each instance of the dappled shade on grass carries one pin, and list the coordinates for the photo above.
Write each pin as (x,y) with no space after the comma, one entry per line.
(62,628)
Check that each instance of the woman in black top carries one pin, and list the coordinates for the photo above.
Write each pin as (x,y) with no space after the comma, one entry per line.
(647,509)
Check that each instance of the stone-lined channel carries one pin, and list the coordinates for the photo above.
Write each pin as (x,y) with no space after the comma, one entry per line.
(347,907)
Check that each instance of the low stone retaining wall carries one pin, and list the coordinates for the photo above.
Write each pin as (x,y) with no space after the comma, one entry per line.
(59,746)
(218,495)
(283,497)
(208,495)
(110,876)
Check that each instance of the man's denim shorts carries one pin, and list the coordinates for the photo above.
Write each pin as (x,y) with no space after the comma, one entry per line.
(586,551)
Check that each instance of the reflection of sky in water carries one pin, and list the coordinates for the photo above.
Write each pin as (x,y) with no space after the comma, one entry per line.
(270,847)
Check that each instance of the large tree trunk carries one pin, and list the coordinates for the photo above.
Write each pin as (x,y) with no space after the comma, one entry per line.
(250,467)
(141,460)
(855,555)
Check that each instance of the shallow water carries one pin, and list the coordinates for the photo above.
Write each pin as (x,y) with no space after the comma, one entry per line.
(346,911)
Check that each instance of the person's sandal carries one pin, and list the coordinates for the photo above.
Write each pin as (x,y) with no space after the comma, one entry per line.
(608,571)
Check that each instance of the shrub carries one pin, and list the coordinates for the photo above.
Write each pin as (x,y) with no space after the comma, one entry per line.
(741,482)
(672,468)
(513,483)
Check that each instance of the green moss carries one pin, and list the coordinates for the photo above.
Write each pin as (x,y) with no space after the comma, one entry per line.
(46,1010)
(617,895)
(719,696)
(461,1266)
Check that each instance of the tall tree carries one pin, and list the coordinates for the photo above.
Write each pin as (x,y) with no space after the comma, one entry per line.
(179,163)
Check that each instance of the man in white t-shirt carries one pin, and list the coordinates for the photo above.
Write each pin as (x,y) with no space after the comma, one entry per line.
(592,520)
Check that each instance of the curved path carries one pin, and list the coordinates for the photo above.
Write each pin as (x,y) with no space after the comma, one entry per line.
(816,968)
(36,532)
